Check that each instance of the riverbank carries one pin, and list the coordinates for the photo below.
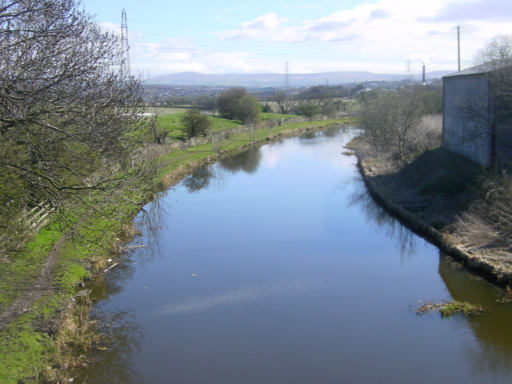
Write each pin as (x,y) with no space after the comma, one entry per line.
(43,301)
(433,195)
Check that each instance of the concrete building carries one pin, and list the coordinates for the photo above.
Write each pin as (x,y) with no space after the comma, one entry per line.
(477,113)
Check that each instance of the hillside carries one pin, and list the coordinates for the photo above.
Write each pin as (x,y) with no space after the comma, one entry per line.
(277,79)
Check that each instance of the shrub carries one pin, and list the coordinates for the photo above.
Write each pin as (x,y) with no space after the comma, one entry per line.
(248,110)
(307,109)
(227,102)
(195,123)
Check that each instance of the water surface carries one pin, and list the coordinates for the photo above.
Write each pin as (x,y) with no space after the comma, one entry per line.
(275,266)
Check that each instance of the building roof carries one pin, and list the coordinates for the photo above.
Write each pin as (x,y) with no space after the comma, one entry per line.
(481,69)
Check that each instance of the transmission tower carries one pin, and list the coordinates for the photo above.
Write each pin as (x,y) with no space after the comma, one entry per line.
(124,42)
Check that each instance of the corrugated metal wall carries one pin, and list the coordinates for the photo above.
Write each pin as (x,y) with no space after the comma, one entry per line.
(466,119)
(502,116)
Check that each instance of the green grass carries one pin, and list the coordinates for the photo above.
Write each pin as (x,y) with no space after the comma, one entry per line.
(220,124)
(24,349)
(456,307)
(451,308)
(172,123)
(23,268)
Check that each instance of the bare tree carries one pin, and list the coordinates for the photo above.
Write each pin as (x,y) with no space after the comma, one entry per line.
(65,106)
(497,51)
(391,120)
(283,102)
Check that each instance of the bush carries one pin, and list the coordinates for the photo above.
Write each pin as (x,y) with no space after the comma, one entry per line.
(196,124)
(307,109)
(391,120)
(266,108)
(248,110)
(236,104)
(227,102)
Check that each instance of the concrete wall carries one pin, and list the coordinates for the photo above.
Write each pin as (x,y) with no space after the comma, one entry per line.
(466,117)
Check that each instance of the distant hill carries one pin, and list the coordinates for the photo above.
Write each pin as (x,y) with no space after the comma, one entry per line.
(277,79)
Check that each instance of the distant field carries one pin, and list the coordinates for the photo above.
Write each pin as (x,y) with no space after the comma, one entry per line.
(276,116)
(170,120)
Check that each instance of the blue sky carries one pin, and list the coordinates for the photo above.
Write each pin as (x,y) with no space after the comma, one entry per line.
(226,36)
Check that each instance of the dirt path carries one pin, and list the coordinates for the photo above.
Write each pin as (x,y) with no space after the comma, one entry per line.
(41,287)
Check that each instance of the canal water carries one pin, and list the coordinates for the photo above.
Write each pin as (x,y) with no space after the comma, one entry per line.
(275,266)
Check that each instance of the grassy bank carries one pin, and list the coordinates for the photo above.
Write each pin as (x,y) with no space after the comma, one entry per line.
(448,199)
(33,344)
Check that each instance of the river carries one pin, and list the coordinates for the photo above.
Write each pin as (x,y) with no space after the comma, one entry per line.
(275,266)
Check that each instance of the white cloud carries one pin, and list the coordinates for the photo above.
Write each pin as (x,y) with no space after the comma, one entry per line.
(381,31)
(377,37)
(268,26)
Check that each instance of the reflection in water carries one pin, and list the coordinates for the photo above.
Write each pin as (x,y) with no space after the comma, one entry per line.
(247,161)
(198,179)
(103,288)
(233,297)
(407,240)
(146,245)
(492,329)
(308,136)
(152,221)
(334,131)
(112,362)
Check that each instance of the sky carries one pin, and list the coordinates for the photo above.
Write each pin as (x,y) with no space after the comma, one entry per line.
(226,36)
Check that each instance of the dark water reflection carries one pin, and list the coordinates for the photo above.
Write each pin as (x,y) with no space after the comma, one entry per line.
(381,221)
(247,161)
(275,266)
(112,360)
(493,329)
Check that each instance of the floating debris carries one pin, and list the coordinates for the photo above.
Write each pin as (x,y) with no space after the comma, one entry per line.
(109,268)
(504,299)
(450,308)
(132,247)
